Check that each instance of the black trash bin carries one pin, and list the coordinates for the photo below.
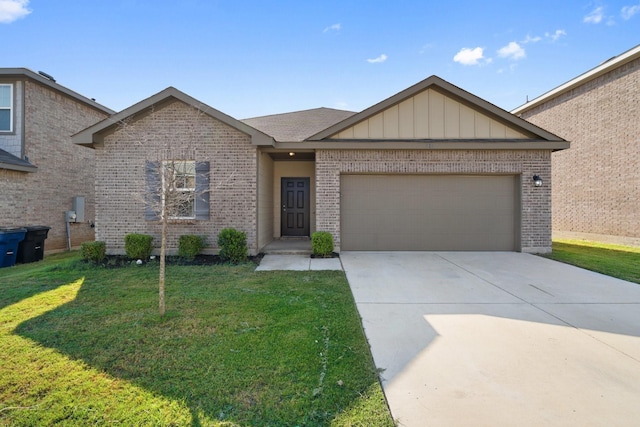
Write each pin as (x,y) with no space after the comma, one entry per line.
(31,249)
(9,240)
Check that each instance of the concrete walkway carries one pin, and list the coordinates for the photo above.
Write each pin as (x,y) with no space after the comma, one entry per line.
(499,339)
(298,262)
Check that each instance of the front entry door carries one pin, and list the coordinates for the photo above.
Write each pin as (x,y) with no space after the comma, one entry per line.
(295,207)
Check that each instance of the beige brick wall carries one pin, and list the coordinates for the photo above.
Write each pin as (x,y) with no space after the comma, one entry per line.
(597,181)
(175,131)
(64,170)
(265,199)
(535,201)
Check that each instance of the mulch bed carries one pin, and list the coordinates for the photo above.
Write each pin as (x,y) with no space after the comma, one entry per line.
(333,255)
(118,261)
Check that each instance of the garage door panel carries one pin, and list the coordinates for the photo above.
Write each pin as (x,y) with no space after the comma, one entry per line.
(428,212)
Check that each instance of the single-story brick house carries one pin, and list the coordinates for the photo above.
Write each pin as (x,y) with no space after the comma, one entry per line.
(430,168)
(596,191)
(41,170)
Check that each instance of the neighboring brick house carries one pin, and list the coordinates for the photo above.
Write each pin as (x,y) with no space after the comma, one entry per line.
(596,183)
(40,168)
(431,168)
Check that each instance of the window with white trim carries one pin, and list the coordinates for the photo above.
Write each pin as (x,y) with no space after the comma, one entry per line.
(189,184)
(180,183)
(6,107)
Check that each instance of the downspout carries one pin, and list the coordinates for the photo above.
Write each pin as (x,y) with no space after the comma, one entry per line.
(66,222)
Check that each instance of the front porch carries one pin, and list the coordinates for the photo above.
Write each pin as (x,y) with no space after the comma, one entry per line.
(288,246)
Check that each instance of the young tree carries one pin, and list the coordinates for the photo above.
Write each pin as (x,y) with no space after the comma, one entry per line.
(174,189)
(177,186)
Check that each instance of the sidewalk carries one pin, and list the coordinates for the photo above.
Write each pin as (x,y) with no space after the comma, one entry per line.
(298,263)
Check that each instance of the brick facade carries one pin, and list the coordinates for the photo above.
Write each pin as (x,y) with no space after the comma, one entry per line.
(596,190)
(176,131)
(64,169)
(535,201)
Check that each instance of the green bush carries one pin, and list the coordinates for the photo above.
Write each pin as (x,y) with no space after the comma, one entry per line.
(93,251)
(322,243)
(190,245)
(233,245)
(138,246)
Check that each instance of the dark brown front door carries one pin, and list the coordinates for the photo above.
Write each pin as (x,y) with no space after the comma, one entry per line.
(295,207)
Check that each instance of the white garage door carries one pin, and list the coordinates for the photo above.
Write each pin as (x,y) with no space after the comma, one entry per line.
(429,212)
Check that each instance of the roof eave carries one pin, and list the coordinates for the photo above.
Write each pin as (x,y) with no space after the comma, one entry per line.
(436,83)
(622,59)
(19,168)
(425,144)
(25,72)
(95,134)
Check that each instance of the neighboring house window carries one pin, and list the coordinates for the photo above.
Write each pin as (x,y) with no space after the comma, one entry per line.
(6,107)
(187,189)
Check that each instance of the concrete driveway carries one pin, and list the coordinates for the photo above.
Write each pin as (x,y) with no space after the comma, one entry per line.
(499,339)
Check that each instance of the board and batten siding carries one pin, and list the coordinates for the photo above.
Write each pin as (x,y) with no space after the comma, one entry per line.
(429,115)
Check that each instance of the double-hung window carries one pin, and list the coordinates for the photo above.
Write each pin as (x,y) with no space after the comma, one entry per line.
(180,185)
(179,188)
(6,107)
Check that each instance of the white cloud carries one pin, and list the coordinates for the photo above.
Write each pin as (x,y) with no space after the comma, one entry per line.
(595,17)
(378,60)
(468,56)
(628,11)
(555,36)
(10,10)
(530,39)
(513,51)
(334,27)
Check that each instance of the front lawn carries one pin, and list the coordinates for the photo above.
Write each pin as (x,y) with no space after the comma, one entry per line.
(84,345)
(622,262)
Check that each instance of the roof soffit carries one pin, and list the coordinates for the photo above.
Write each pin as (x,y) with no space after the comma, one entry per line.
(25,73)
(516,127)
(604,68)
(95,134)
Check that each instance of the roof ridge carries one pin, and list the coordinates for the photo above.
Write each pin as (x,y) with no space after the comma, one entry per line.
(299,111)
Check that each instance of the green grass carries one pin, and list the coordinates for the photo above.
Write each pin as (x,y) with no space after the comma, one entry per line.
(84,345)
(613,260)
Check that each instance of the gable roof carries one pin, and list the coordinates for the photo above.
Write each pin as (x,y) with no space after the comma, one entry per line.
(607,66)
(95,134)
(298,125)
(450,91)
(25,72)
(11,162)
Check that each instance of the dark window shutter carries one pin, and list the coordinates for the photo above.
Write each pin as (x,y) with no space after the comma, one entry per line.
(202,190)
(153,191)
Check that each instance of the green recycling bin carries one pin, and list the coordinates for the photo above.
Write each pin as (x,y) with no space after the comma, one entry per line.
(31,249)
(9,240)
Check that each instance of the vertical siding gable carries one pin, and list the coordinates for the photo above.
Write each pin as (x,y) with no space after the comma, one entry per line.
(429,115)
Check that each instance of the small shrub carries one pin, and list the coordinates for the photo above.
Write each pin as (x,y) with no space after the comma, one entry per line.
(138,246)
(190,245)
(93,251)
(233,245)
(322,243)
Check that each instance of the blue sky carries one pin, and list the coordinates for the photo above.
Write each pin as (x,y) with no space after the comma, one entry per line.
(252,58)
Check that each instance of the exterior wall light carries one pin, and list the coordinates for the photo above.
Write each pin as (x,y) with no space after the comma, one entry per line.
(537,180)
(291,154)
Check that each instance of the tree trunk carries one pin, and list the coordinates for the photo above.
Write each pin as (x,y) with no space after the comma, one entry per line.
(163,250)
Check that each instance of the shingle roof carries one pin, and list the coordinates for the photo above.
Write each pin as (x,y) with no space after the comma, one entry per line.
(299,125)
(9,161)
(94,134)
